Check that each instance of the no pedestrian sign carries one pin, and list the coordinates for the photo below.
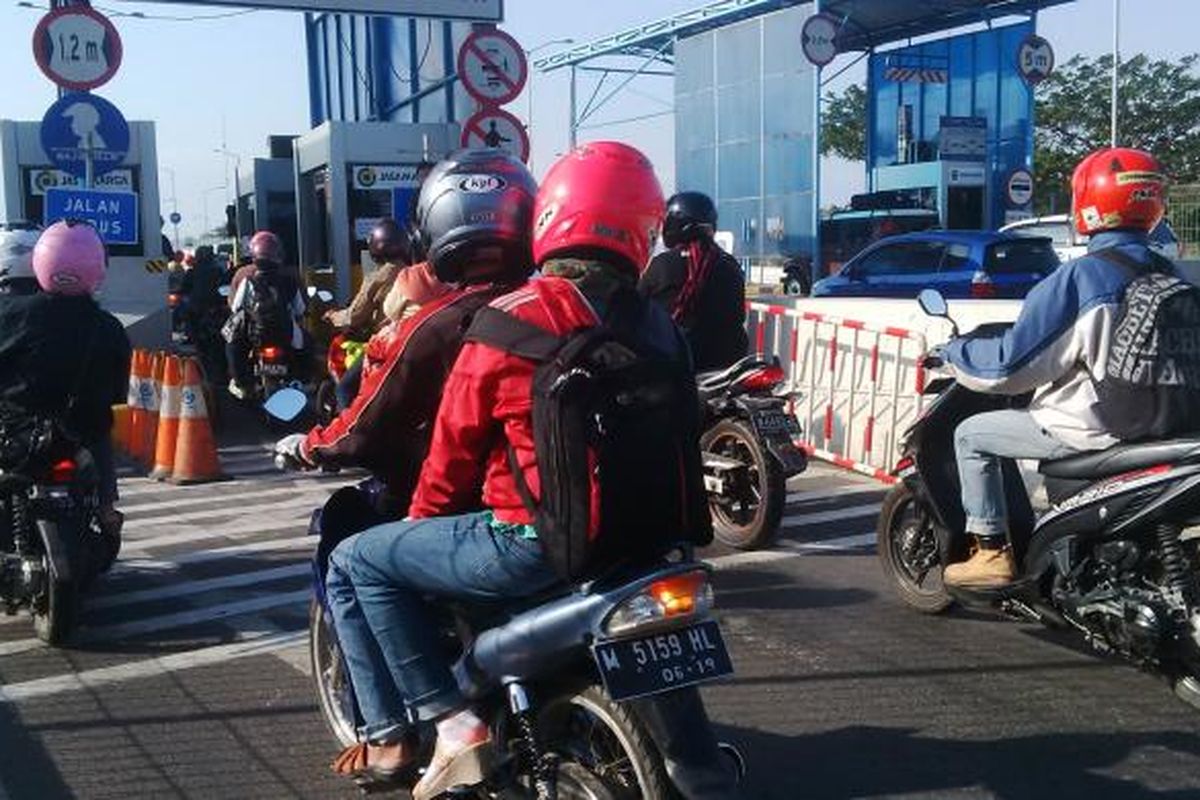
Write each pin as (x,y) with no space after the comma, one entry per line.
(492,67)
(114,214)
(77,47)
(494,127)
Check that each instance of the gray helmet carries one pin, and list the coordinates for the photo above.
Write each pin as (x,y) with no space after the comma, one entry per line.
(17,240)
(475,216)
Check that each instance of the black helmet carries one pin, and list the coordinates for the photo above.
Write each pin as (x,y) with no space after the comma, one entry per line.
(388,243)
(690,216)
(477,207)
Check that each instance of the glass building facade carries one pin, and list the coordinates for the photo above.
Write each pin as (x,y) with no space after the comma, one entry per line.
(743,130)
(972,75)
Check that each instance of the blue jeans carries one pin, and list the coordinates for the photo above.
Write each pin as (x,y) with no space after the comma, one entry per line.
(981,444)
(378,585)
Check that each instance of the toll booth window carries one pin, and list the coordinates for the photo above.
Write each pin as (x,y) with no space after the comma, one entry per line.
(1021,256)
(314,197)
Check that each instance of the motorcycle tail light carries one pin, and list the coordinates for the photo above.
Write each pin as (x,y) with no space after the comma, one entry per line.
(670,600)
(903,465)
(762,379)
(173,300)
(337,356)
(62,471)
(271,353)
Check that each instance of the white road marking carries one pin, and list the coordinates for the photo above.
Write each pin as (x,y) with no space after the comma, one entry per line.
(133,566)
(135,512)
(793,520)
(166,622)
(186,588)
(833,493)
(136,523)
(855,542)
(162,665)
(136,547)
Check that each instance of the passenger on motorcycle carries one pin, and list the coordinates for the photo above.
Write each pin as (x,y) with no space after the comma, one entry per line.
(387,427)
(61,355)
(699,283)
(17,240)
(364,317)
(596,216)
(267,309)
(1058,349)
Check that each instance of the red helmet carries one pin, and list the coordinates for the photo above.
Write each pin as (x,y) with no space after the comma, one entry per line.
(266,246)
(1118,187)
(600,196)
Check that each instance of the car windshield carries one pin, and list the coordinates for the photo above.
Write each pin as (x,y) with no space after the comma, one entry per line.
(1021,256)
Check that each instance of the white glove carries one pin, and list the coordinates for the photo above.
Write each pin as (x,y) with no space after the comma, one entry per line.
(290,451)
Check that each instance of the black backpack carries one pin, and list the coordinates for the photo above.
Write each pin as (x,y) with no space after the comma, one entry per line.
(269,310)
(1151,385)
(605,404)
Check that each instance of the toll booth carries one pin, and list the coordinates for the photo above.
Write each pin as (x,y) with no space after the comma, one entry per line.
(26,173)
(957,190)
(349,175)
(267,194)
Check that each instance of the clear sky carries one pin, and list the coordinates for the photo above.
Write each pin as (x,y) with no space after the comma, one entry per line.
(239,78)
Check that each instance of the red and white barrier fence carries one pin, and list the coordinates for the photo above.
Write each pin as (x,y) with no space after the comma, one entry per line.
(856,385)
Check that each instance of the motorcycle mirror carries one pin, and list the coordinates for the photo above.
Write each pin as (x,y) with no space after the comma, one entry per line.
(223,291)
(286,404)
(933,304)
(325,296)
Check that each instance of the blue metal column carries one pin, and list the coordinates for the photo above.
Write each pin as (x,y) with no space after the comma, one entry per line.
(815,267)
(448,67)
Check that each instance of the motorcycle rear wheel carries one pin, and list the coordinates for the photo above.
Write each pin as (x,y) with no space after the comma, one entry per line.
(900,520)
(330,678)
(604,750)
(747,523)
(54,615)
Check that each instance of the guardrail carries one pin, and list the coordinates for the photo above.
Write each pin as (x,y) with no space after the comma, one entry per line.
(855,385)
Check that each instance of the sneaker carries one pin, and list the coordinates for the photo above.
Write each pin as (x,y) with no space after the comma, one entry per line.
(236,390)
(986,569)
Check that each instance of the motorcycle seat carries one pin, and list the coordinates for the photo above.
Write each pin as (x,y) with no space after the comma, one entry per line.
(1123,458)
(720,378)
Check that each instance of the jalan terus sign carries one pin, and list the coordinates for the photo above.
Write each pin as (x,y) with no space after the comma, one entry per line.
(478,10)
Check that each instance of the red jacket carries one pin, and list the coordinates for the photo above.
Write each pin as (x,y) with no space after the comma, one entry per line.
(386,429)
(487,402)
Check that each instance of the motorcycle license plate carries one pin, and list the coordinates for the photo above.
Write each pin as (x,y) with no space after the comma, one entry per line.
(274,370)
(662,662)
(774,421)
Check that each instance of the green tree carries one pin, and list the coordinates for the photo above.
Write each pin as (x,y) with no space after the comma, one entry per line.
(1158,108)
(844,124)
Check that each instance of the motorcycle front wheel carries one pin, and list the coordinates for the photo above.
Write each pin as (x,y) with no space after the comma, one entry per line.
(750,520)
(331,678)
(603,750)
(909,554)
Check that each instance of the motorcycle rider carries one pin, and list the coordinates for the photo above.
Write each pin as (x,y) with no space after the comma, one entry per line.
(364,317)
(1058,348)
(387,427)
(597,214)
(17,240)
(268,307)
(700,284)
(63,356)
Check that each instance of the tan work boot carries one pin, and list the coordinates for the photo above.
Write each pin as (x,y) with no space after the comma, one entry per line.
(988,568)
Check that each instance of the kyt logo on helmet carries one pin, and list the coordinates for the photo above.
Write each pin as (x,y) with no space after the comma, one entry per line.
(1118,188)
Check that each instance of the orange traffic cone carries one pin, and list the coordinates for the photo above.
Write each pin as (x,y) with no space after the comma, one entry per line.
(168,420)
(141,399)
(120,428)
(195,450)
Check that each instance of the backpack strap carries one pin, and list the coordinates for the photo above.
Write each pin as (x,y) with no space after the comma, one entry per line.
(494,327)
(1113,255)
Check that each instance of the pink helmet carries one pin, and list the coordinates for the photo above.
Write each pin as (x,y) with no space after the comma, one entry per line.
(70,259)
(266,246)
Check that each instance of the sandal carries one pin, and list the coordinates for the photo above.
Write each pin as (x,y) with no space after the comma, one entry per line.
(353,763)
(467,767)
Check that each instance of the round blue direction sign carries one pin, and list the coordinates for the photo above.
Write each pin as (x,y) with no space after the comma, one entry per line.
(81,125)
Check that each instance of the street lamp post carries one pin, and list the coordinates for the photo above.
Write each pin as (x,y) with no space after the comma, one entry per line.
(207,194)
(1116,66)
(529,115)
(174,202)
(237,192)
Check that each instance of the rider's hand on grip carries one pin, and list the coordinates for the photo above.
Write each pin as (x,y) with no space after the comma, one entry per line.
(289,453)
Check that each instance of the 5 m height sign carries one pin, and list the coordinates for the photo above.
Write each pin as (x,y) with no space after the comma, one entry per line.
(77,47)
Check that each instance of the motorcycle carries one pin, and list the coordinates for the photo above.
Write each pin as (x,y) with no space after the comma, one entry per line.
(1109,559)
(748,451)
(51,542)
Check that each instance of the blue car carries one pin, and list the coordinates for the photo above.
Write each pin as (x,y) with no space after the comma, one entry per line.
(959,264)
